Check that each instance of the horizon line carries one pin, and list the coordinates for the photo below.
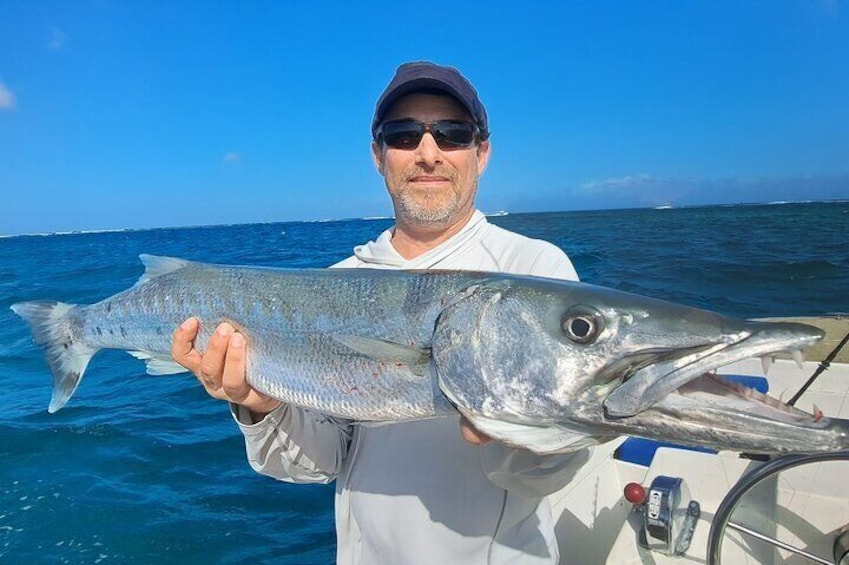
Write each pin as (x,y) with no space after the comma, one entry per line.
(497,213)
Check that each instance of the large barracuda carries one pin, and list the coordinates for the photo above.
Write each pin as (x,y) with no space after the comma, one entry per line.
(537,363)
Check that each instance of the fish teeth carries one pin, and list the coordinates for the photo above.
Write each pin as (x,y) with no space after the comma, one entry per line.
(798,358)
(796,354)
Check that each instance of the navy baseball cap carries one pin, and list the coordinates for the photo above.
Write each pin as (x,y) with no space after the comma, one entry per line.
(426,76)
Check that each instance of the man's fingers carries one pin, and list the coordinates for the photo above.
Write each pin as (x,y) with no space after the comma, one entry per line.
(233,374)
(222,367)
(183,345)
(471,434)
(234,384)
(212,366)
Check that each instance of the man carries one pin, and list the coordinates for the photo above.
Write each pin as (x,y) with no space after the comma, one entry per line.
(412,492)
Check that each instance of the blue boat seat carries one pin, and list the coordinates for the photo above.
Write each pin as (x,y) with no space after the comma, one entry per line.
(641,451)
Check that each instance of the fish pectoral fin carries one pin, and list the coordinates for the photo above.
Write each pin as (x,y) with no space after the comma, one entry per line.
(156,266)
(415,358)
(158,364)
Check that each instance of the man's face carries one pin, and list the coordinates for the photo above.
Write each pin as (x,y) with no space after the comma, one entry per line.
(429,185)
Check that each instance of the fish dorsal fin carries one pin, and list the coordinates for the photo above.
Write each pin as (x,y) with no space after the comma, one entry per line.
(156,266)
(381,350)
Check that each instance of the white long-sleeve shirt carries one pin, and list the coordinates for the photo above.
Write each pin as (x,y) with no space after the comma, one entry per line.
(416,492)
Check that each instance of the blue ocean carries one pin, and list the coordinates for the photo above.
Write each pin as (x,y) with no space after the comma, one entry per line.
(141,469)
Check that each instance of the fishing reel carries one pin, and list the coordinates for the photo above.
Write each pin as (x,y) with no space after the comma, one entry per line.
(668,514)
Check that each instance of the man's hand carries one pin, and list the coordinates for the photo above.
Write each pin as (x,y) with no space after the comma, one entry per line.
(221,368)
(472,435)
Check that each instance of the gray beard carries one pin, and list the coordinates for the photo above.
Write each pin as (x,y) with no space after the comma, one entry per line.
(412,210)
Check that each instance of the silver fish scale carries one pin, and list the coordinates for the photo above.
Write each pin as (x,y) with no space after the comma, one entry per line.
(293,321)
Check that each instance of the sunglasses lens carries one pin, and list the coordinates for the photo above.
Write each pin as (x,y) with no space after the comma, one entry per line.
(454,134)
(407,134)
(403,134)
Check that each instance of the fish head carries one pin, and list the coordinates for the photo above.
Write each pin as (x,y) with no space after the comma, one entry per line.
(527,347)
(588,360)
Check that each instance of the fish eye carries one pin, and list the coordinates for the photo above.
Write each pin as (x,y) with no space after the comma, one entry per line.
(582,324)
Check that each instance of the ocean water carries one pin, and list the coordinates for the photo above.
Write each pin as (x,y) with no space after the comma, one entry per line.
(141,469)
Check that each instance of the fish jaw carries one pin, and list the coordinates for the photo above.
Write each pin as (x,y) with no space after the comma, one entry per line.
(709,411)
(675,368)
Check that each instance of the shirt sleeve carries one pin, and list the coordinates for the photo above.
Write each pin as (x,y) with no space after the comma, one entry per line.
(294,444)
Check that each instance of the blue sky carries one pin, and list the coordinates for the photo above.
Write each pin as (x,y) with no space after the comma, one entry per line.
(146,114)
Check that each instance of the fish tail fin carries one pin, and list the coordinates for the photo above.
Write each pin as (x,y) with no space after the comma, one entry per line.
(53,326)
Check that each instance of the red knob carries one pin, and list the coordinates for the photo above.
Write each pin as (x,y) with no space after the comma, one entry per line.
(635,493)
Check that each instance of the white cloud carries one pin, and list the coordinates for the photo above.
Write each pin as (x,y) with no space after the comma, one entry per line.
(57,38)
(616,184)
(645,190)
(638,190)
(7,98)
(232,157)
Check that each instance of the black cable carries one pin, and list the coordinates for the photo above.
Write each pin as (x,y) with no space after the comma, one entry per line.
(822,367)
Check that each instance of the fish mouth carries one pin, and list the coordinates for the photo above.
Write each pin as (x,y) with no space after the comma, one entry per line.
(656,374)
(720,394)
(715,412)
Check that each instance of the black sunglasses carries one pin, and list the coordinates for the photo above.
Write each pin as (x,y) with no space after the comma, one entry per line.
(407,134)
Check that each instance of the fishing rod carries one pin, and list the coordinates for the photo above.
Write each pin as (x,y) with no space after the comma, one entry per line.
(824,364)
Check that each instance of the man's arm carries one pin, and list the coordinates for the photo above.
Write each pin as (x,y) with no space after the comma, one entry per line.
(282,441)
(295,445)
